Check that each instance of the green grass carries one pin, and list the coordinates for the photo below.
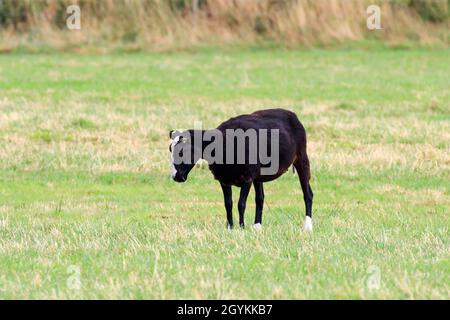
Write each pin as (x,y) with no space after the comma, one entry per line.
(84,176)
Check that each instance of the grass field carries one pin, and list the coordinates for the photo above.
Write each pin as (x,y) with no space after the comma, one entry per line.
(85,192)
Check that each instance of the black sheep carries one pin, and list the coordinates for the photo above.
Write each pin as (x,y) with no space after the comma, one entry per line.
(277,132)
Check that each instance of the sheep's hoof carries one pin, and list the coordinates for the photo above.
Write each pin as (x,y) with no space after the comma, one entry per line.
(257,226)
(308,225)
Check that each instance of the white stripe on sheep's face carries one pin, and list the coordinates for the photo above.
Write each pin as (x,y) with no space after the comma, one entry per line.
(172,158)
(180,166)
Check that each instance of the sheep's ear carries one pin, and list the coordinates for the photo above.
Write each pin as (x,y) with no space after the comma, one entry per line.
(170,134)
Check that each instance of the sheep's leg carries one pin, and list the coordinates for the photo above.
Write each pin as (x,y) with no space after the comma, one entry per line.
(259,202)
(245,189)
(228,200)
(304,174)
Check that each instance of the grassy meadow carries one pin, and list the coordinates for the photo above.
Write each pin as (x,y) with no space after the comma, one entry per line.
(87,208)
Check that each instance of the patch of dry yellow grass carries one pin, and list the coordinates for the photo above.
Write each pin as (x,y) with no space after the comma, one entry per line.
(138,143)
(157,25)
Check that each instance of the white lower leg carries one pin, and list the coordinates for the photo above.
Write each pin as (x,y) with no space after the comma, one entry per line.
(257,226)
(308,224)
